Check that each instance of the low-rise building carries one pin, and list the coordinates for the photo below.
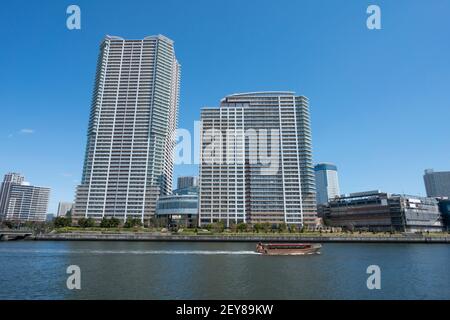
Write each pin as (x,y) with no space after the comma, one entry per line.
(179,209)
(444,207)
(381,211)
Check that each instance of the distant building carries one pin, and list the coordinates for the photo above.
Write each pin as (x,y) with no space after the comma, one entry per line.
(64,208)
(444,207)
(49,217)
(5,189)
(327,183)
(179,209)
(380,211)
(186,182)
(437,184)
(20,201)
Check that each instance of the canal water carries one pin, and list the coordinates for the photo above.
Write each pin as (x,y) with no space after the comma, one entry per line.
(175,270)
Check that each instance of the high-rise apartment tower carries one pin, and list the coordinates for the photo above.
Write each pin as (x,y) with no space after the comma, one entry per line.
(131,134)
(256,160)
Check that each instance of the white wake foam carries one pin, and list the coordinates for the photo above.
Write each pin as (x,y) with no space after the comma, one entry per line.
(136,252)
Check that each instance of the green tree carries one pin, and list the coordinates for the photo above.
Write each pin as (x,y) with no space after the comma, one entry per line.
(218,226)
(109,223)
(114,222)
(282,227)
(61,222)
(273,227)
(82,222)
(105,223)
(266,227)
(257,227)
(132,222)
(241,227)
(90,223)
(86,223)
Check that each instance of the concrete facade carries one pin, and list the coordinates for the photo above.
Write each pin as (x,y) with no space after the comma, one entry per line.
(131,135)
(256,160)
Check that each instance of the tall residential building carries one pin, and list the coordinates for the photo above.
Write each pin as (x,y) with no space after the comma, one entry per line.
(64,208)
(256,160)
(437,184)
(10,179)
(20,201)
(327,183)
(187,182)
(131,135)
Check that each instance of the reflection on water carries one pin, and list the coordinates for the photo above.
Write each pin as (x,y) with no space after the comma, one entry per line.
(169,270)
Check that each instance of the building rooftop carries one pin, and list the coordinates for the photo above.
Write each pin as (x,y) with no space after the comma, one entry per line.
(159,36)
(325,166)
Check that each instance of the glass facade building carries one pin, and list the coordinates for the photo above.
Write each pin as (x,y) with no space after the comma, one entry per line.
(187,182)
(179,209)
(437,184)
(327,183)
(381,211)
(444,207)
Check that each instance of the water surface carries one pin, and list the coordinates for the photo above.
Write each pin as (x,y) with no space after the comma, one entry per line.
(193,270)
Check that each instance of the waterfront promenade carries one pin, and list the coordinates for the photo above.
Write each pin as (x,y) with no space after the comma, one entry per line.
(245,237)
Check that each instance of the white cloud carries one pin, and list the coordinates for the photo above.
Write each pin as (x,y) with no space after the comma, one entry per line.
(27,131)
(66,174)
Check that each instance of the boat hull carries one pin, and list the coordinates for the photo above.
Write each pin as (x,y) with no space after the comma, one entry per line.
(287,249)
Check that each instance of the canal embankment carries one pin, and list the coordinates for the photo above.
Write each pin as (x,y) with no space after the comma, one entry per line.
(130,236)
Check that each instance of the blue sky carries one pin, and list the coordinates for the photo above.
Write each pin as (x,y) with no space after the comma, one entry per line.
(380,99)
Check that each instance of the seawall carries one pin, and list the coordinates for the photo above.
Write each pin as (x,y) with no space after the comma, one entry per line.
(235,238)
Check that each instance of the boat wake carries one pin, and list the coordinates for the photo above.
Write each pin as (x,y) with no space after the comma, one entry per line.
(183,252)
(133,252)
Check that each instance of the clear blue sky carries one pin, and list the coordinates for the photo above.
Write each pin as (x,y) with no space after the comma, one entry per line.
(380,100)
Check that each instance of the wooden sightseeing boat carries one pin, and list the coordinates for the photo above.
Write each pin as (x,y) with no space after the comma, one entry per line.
(287,248)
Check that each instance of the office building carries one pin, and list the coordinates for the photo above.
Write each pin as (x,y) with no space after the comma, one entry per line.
(381,211)
(187,182)
(444,207)
(256,161)
(437,184)
(22,202)
(131,134)
(327,183)
(64,208)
